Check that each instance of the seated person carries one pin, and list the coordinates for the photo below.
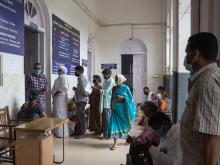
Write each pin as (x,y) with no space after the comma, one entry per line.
(168,152)
(162,101)
(33,106)
(148,108)
(148,93)
(140,144)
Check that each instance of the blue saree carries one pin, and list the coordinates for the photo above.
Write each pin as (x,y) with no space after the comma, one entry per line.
(123,113)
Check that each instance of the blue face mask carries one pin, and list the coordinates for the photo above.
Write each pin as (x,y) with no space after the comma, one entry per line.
(161,131)
(187,65)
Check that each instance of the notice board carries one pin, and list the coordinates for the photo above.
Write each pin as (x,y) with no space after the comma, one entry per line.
(66,45)
(12,26)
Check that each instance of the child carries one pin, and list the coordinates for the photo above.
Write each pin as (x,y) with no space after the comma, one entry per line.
(72,115)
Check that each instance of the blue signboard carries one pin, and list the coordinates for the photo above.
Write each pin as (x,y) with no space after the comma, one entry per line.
(66,45)
(12,26)
(111,66)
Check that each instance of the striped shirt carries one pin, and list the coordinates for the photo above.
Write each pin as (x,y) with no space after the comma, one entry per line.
(202,113)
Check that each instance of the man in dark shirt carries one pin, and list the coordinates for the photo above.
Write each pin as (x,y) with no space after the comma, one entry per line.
(32,105)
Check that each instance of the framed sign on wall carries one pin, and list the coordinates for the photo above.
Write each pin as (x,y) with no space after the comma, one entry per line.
(66,45)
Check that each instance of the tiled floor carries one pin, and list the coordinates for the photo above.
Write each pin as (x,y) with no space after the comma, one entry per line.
(91,151)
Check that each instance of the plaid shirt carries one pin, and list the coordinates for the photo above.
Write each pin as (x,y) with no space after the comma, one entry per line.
(38,84)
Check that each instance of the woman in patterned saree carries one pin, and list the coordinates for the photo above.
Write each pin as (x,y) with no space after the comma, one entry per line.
(123,111)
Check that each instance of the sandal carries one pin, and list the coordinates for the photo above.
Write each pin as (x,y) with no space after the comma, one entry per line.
(113,148)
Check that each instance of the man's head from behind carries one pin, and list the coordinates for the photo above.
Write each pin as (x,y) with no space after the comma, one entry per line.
(201,47)
(160,122)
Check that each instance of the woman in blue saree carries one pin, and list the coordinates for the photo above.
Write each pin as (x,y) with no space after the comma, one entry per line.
(123,111)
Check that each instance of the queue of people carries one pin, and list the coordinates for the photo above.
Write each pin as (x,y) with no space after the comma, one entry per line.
(112,109)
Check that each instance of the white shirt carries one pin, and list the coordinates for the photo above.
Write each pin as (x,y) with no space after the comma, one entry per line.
(149,96)
(171,142)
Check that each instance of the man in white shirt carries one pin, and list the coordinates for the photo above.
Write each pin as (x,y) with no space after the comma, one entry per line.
(148,93)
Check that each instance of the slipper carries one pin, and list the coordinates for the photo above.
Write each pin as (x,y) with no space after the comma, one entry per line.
(113,148)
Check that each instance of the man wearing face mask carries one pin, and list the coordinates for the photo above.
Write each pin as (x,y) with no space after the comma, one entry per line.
(82,97)
(106,99)
(37,82)
(200,133)
(168,151)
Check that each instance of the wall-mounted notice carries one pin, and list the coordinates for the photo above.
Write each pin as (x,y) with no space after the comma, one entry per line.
(12,26)
(111,66)
(66,45)
(84,62)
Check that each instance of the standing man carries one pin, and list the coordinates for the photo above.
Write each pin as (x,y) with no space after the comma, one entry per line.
(106,97)
(37,82)
(200,128)
(82,97)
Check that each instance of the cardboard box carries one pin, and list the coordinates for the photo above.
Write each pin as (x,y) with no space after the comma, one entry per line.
(34,149)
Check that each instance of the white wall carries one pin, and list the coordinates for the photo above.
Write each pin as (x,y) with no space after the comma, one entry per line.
(110,39)
(123,11)
(184,32)
(12,91)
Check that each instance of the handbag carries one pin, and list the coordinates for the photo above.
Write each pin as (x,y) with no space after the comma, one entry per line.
(137,156)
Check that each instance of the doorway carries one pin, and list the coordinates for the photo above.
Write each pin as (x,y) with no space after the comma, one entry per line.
(127,69)
(34,50)
(134,66)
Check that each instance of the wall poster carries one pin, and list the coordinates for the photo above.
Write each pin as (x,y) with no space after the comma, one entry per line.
(66,45)
(12,26)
